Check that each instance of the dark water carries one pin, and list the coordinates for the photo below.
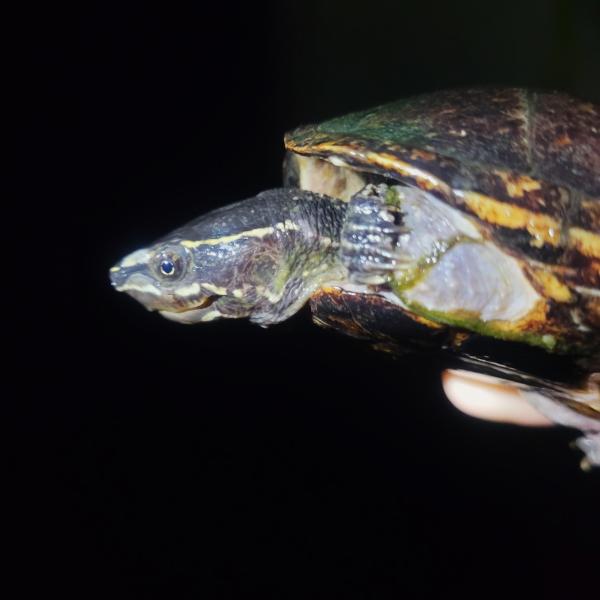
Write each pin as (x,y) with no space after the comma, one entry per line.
(224,460)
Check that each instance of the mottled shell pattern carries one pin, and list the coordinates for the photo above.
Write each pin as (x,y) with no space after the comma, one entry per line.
(525,164)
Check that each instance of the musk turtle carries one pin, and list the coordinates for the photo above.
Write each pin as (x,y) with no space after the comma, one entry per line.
(445,219)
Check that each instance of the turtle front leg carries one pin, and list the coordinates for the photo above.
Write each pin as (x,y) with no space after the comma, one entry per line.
(370,235)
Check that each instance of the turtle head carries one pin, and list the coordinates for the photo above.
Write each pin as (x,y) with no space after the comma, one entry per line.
(208,269)
(172,278)
(250,259)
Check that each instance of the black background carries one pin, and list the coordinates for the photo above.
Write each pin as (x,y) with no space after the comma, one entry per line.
(225,460)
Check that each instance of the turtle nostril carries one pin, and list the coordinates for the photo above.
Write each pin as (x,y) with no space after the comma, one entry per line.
(114,276)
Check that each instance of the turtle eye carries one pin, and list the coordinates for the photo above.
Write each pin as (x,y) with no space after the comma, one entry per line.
(169,264)
(167,267)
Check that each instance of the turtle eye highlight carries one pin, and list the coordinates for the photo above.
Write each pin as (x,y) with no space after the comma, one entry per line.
(167,267)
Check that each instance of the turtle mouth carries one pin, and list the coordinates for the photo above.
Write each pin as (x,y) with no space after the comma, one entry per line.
(194,313)
(200,304)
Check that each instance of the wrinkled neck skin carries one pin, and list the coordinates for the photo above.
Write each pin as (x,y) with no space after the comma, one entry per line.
(261,258)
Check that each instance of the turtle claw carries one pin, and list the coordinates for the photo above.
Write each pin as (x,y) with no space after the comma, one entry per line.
(370,236)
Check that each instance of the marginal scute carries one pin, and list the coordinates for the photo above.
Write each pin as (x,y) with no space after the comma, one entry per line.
(584,241)
(543,228)
(518,185)
(551,286)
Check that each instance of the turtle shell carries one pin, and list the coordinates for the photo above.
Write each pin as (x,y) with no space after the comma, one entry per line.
(525,165)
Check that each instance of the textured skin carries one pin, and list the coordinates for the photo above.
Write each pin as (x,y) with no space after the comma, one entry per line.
(525,164)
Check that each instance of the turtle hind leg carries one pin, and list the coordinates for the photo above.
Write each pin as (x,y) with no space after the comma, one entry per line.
(370,235)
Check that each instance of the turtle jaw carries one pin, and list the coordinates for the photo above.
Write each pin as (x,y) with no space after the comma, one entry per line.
(207,310)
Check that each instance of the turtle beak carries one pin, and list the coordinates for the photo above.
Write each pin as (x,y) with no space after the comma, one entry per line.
(118,277)
(129,276)
(134,263)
